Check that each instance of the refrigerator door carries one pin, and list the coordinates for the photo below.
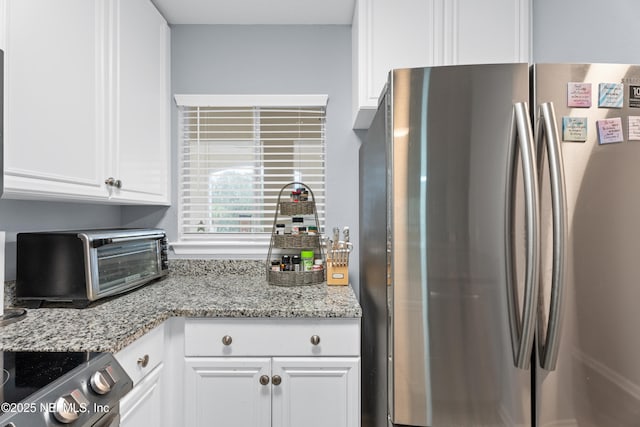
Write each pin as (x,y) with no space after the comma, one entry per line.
(451,359)
(373,269)
(596,380)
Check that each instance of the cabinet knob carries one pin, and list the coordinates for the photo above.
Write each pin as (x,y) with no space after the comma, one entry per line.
(264,380)
(143,361)
(111,181)
(315,340)
(227,340)
(276,380)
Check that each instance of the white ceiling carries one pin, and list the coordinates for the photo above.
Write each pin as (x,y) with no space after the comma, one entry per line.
(255,12)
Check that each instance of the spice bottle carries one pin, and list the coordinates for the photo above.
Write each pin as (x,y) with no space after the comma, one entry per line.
(285,265)
(295,262)
(296,223)
(307,260)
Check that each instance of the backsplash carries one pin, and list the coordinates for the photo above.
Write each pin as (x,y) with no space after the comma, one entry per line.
(9,293)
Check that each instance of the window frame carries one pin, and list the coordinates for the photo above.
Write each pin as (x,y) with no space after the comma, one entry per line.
(232,245)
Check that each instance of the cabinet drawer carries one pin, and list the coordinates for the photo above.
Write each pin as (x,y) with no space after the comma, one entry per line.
(140,357)
(272,337)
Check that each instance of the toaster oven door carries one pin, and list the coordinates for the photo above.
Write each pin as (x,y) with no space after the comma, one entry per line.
(123,265)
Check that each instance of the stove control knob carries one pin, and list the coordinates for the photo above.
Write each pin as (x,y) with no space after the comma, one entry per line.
(69,407)
(103,380)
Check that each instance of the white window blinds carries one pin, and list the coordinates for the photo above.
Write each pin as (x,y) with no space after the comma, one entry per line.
(235,160)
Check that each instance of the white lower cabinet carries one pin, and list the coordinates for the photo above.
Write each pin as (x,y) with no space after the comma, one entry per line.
(143,405)
(316,392)
(143,360)
(278,392)
(227,392)
(296,373)
(244,373)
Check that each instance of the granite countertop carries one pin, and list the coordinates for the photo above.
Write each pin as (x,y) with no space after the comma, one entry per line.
(193,289)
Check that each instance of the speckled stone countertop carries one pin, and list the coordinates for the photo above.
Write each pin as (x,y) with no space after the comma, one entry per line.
(192,289)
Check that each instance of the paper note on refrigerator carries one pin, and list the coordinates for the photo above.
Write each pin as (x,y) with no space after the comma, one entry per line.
(574,129)
(579,95)
(634,96)
(610,95)
(634,128)
(610,130)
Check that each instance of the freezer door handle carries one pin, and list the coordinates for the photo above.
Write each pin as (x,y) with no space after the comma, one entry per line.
(522,326)
(548,327)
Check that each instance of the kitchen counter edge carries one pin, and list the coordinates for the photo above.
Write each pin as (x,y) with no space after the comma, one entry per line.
(112,324)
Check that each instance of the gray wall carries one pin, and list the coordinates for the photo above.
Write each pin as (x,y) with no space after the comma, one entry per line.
(288,59)
(586,31)
(22,215)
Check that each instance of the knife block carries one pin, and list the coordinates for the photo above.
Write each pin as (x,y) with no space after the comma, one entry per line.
(337,274)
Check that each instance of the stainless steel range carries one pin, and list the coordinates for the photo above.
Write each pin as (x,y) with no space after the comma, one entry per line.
(50,389)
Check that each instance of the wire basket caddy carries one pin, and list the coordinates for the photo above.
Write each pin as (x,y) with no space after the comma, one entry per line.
(295,241)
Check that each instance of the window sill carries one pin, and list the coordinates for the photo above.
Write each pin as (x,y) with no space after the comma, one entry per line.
(224,249)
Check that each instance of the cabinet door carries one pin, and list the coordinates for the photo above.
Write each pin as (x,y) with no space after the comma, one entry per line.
(140,112)
(227,392)
(143,405)
(384,36)
(494,31)
(54,142)
(316,392)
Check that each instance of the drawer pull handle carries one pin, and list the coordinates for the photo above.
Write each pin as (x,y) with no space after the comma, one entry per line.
(264,380)
(315,340)
(227,340)
(276,380)
(143,361)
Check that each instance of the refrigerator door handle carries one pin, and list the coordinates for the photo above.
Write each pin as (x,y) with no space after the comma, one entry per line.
(547,140)
(523,325)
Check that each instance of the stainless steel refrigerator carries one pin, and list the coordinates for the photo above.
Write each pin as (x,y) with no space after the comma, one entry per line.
(500,247)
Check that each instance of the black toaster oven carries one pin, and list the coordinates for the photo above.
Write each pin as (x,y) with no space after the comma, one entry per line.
(82,266)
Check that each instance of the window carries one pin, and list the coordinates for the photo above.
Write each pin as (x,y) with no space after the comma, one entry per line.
(236,154)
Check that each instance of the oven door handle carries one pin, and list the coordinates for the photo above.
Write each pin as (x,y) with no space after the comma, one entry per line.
(108,241)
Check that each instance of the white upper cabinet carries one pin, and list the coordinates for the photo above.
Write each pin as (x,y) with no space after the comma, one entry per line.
(386,34)
(87,98)
(487,32)
(389,34)
(141,103)
(54,138)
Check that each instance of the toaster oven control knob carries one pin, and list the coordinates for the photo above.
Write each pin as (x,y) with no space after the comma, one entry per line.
(102,381)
